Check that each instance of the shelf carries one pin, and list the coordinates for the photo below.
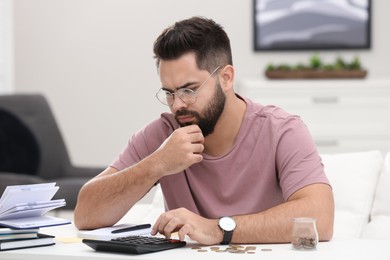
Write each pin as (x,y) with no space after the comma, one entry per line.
(342,115)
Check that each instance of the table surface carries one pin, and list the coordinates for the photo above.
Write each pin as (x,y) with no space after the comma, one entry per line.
(68,247)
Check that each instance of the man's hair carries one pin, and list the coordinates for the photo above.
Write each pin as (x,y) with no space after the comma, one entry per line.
(201,36)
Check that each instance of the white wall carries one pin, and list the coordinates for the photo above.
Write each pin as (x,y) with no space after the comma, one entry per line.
(93,60)
(6,47)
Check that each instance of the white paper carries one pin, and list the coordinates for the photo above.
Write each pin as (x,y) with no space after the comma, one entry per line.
(29,212)
(105,233)
(44,206)
(34,222)
(26,194)
(23,206)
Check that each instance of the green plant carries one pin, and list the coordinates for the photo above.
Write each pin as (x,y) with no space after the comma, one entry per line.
(355,64)
(270,67)
(316,63)
(340,63)
(301,66)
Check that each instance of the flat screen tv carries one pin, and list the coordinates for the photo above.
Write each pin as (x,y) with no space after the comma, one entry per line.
(311,24)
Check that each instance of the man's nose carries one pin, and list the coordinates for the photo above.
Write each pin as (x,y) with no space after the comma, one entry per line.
(178,104)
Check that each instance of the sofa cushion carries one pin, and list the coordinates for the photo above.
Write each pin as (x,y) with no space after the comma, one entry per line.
(381,206)
(379,226)
(353,177)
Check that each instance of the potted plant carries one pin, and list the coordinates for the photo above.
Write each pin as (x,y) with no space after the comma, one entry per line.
(317,69)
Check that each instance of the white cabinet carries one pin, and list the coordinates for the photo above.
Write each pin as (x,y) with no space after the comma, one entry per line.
(342,115)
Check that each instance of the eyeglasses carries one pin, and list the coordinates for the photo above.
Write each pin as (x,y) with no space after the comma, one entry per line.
(187,95)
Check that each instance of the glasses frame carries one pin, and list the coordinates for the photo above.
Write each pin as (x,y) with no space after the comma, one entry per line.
(184,92)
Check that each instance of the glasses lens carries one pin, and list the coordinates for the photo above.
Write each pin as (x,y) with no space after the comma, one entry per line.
(165,97)
(187,95)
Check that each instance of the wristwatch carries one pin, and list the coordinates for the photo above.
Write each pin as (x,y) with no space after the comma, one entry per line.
(227,225)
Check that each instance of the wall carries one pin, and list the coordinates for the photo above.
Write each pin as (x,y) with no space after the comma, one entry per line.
(93,60)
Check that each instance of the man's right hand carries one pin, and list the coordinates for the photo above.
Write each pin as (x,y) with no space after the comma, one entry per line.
(180,150)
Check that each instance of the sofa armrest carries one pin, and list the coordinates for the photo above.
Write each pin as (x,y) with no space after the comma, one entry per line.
(10,178)
(82,172)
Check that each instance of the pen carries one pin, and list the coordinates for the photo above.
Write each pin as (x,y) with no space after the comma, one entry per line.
(127,229)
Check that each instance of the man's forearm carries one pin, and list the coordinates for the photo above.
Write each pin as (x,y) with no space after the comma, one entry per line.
(108,197)
(274,225)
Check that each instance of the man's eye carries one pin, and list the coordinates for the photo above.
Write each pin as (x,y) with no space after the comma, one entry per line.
(187,91)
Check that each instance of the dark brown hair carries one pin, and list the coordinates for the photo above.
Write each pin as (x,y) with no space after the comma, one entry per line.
(201,36)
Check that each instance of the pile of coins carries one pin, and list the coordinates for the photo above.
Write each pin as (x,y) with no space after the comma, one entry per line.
(304,243)
(304,234)
(234,249)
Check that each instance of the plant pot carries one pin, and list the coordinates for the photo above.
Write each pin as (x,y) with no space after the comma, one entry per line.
(315,74)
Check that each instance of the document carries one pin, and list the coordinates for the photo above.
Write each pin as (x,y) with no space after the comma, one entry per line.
(34,222)
(24,206)
(31,209)
(24,194)
(109,233)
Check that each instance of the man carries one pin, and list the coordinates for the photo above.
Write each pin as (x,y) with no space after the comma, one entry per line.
(231,171)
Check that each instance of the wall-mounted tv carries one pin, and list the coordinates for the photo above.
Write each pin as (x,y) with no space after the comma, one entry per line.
(311,24)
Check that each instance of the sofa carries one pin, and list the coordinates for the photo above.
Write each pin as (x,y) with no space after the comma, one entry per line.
(361,186)
(33,150)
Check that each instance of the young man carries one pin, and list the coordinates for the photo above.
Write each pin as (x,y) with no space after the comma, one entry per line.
(231,171)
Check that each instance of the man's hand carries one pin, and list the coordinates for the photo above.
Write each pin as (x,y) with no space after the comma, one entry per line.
(180,150)
(202,230)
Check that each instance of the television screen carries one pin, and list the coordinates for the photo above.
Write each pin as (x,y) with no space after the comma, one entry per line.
(311,24)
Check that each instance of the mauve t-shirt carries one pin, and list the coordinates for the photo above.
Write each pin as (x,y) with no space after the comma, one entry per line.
(273,156)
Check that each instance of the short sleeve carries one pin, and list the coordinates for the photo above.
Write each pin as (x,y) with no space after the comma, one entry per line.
(297,160)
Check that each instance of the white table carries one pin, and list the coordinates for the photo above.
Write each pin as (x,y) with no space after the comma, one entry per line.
(336,249)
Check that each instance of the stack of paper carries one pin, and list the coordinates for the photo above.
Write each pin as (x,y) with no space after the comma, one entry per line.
(24,206)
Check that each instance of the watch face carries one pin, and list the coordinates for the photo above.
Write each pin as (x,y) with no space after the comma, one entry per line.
(227,223)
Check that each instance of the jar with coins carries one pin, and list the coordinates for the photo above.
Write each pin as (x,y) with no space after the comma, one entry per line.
(304,235)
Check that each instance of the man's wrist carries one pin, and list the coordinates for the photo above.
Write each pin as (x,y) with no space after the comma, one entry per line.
(153,166)
(227,226)
(219,233)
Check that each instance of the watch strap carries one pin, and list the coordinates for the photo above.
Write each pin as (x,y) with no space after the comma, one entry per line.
(227,237)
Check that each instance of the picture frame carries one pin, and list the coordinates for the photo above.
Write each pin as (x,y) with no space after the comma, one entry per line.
(280,25)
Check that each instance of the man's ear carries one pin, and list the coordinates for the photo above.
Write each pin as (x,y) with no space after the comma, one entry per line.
(227,77)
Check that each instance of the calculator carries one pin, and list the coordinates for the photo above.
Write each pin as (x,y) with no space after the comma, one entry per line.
(134,244)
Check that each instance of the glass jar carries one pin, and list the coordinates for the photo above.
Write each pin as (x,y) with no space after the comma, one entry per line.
(304,234)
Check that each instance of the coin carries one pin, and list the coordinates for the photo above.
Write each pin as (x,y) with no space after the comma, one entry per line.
(237,251)
(250,248)
(234,249)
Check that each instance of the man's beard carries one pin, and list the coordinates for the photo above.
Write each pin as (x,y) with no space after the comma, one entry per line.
(212,113)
